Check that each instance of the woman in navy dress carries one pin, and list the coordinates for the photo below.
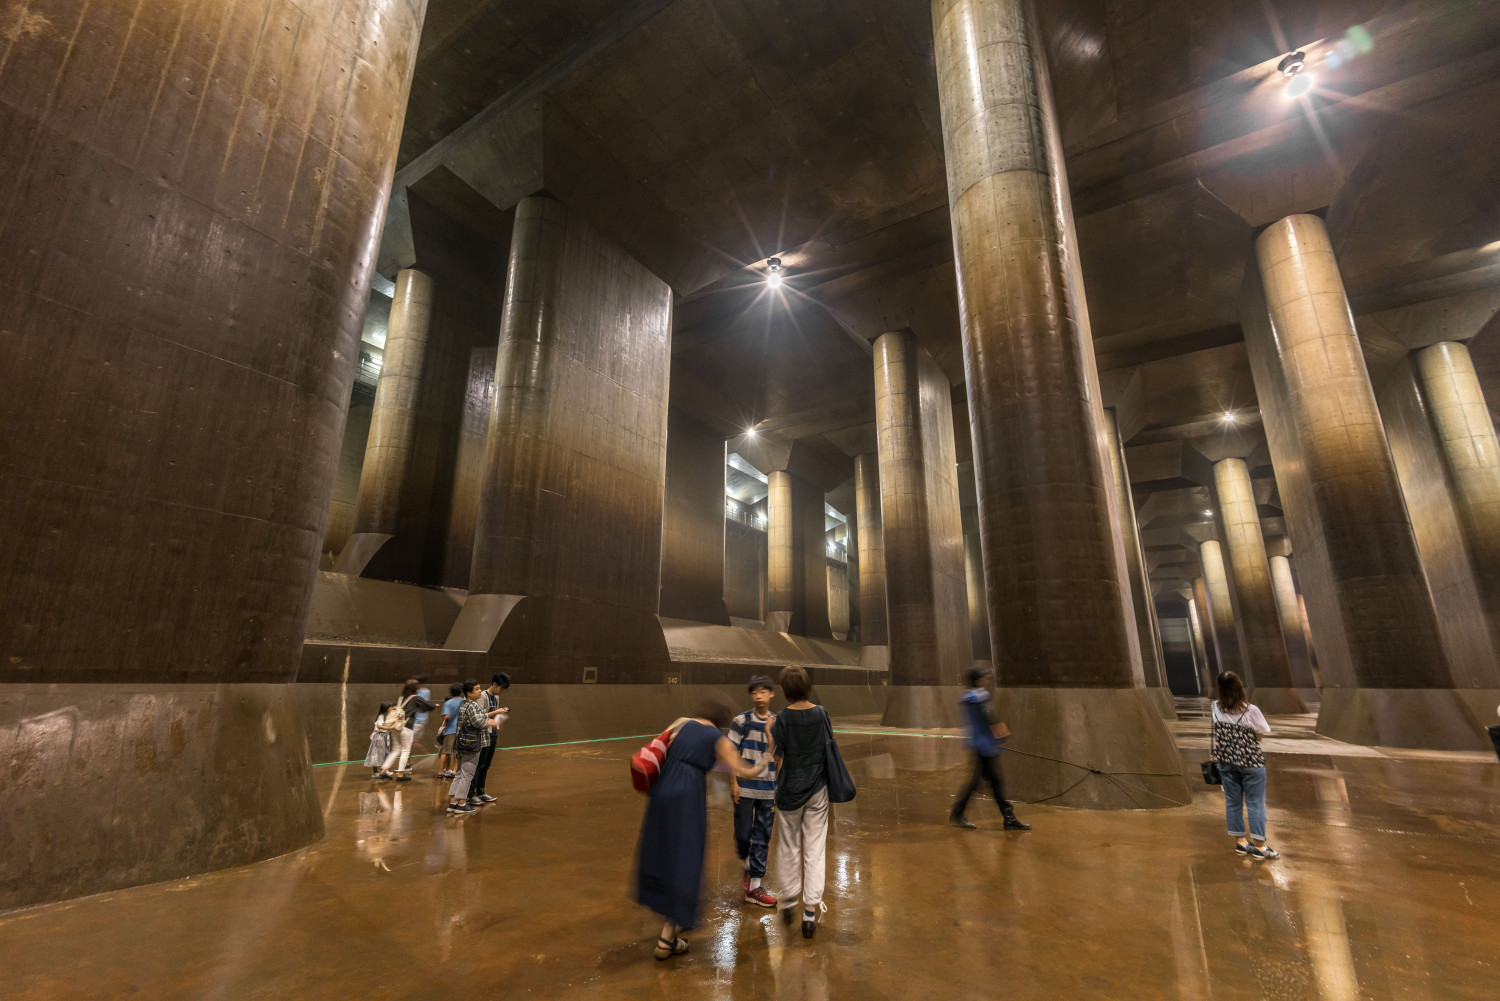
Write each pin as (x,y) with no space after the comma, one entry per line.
(669,860)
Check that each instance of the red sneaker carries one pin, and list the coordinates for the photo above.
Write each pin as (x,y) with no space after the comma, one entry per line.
(760,895)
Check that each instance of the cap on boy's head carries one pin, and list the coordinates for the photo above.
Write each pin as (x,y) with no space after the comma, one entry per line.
(977,676)
(760,681)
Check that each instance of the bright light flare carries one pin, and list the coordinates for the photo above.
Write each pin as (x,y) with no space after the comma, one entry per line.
(774,279)
(1229,417)
(1299,85)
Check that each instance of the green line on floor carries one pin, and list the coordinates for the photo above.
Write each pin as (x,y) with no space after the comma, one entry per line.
(643,736)
(518,747)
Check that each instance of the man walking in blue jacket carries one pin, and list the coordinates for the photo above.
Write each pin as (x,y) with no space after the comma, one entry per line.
(985,738)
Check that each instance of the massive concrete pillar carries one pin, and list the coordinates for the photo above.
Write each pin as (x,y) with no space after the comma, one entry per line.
(1143,603)
(692,540)
(874,637)
(1386,678)
(1205,626)
(1471,456)
(926,594)
(567,542)
(979,613)
(1289,611)
(1221,624)
(1312,651)
(1200,646)
(180,310)
(1052,567)
(1256,616)
(388,494)
(796,560)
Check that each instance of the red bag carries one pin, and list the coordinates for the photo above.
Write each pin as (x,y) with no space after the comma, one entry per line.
(645,764)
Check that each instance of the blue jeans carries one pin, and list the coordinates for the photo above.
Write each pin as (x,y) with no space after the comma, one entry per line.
(753,819)
(1244,790)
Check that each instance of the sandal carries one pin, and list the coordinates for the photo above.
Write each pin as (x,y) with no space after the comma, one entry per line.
(666,950)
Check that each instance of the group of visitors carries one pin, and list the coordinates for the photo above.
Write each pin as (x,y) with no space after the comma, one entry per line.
(778,763)
(466,739)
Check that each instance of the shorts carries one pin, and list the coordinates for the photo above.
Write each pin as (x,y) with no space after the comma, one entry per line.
(447,743)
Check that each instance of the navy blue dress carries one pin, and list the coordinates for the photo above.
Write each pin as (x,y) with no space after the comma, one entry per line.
(669,859)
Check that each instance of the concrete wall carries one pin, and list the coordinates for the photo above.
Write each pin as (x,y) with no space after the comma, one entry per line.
(745,571)
(838,601)
(692,538)
(570,512)
(1177,656)
(346,478)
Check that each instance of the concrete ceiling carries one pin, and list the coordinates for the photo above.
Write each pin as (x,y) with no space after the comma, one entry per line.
(707,135)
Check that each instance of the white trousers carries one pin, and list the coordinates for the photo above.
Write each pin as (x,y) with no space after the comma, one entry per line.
(400,748)
(801,837)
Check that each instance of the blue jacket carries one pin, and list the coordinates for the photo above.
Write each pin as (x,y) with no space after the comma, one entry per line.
(978,735)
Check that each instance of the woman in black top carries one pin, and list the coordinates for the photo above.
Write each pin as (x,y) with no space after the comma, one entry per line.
(800,736)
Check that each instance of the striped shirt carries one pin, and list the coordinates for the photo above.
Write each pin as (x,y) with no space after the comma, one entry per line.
(748,734)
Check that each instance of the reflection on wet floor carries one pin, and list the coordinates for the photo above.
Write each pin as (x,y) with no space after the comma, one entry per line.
(1389,888)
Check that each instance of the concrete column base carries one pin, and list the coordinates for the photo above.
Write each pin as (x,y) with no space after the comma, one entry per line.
(1060,734)
(1281,701)
(358,551)
(1162,699)
(112,786)
(1434,718)
(921,706)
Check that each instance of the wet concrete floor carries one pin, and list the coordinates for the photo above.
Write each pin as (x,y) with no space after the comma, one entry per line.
(1389,887)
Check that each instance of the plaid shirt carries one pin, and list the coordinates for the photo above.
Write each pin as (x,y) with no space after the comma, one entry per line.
(471,718)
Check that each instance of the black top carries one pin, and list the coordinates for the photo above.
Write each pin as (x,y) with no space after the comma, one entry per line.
(801,741)
(413,705)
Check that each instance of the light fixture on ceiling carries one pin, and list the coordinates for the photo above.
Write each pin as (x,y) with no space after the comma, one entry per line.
(1294,67)
(1229,417)
(773,275)
(749,432)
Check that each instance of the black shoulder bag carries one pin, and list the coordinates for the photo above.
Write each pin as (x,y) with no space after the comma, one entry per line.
(840,784)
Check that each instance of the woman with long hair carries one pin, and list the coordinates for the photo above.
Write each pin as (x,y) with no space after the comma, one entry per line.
(669,859)
(1235,743)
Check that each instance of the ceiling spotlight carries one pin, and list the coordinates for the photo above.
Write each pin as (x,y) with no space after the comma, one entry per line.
(773,276)
(749,432)
(1292,67)
(1229,417)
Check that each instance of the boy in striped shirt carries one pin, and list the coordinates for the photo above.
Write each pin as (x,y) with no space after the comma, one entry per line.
(754,809)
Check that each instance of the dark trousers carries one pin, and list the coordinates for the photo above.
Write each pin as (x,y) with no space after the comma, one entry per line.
(986,769)
(485,757)
(753,819)
(1495,739)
